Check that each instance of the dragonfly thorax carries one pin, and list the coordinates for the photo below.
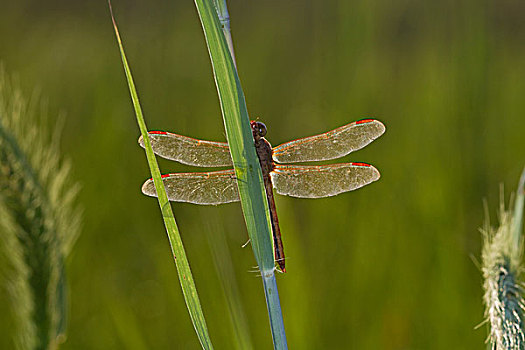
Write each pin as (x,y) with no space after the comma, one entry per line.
(263,148)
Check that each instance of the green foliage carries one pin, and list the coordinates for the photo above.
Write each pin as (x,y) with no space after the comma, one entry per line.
(38,219)
(385,267)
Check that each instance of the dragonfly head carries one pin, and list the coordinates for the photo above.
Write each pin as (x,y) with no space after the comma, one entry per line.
(258,129)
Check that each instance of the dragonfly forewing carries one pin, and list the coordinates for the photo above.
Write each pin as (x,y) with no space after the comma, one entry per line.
(330,145)
(190,151)
(211,188)
(323,180)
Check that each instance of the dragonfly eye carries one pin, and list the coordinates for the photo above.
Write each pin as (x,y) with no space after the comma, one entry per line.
(261,129)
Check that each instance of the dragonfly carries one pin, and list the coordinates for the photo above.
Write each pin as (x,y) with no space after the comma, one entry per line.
(303,181)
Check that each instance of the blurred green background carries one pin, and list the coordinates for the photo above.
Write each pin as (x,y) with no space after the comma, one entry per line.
(390,266)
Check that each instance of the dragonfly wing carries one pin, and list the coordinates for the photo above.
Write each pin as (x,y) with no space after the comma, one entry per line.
(330,145)
(323,180)
(187,150)
(215,187)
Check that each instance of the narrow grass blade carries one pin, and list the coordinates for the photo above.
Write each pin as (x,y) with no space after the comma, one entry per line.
(246,163)
(502,270)
(517,224)
(183,268)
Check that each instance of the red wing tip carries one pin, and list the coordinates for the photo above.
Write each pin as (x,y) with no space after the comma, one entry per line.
(362,164)
(157,132)
(364,121)
(373,122)
(162,176)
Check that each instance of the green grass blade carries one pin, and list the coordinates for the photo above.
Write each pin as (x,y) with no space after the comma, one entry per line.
(239,135)
(224,19)
(183,268)
(517,224)
(246,163)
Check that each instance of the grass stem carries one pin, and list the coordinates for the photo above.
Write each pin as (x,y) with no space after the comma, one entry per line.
(187,283)
(246,164)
